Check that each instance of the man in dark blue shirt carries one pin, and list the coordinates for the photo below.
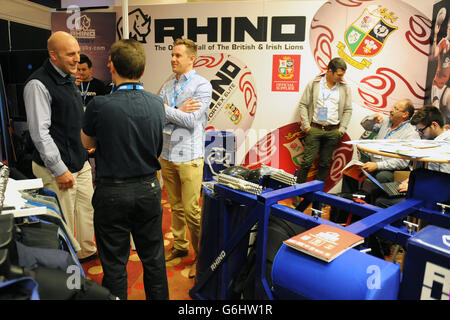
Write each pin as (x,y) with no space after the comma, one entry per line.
(126,127)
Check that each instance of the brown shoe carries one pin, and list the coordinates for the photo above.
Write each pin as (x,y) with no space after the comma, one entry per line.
(175,253)
(193,270)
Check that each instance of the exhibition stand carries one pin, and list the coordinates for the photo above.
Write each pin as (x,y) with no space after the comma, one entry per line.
(230,216)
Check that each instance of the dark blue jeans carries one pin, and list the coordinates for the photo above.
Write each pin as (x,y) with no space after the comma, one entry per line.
(121,209)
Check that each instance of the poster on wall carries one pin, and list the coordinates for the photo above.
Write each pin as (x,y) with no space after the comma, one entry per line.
(260,57)
(286,72)
(385,44)
(94,32)
(438,73)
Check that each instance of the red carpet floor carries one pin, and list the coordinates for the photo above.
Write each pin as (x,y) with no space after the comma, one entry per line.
(177,269)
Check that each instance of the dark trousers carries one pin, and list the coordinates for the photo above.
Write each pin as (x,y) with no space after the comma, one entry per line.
(350,185)
(121,209)
(322,142)
(385,202)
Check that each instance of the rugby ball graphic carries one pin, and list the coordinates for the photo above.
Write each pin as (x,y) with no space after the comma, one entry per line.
(283,148)
(385,44)
(234,99)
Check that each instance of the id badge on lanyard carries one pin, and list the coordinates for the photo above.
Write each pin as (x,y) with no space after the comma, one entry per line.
(84,93)
(176,94)
(168,129)
(322,114)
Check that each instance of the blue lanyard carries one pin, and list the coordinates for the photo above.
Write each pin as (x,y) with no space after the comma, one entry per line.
(323,91)
(175,95)
(135,86)
(83,92)
(395,130)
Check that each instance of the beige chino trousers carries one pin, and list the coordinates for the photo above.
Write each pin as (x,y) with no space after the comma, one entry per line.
(183,183)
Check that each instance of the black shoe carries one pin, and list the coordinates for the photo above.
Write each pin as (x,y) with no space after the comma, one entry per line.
(303,205)
(89,258)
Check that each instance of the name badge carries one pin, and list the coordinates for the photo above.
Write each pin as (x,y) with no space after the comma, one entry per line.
(168,129)
(322,114)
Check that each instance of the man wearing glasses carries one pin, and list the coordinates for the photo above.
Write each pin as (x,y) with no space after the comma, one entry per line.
(397,126)
(429,124)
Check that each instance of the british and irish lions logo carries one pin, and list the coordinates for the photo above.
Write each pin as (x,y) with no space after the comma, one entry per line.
(385,43)
(366,36)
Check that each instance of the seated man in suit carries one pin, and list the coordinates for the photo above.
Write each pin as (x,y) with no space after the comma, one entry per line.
(429,123)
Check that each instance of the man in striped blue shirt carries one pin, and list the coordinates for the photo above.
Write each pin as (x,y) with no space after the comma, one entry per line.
(186,96)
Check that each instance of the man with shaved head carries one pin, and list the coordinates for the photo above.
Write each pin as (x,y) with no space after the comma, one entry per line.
(54,113)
